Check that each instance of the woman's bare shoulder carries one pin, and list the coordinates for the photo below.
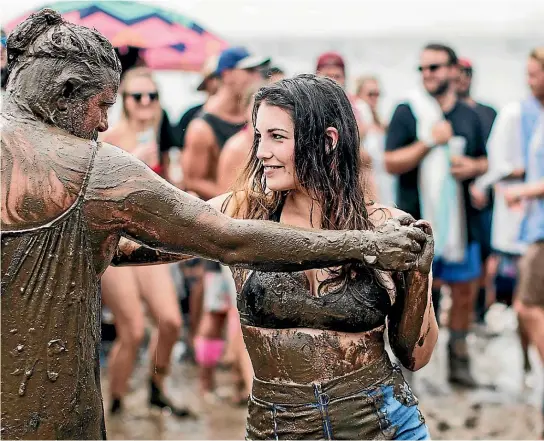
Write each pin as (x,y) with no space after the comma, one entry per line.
(233,204)
(379,213)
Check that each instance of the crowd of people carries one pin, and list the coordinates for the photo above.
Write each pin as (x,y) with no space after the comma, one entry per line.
(306,152)
(475,174)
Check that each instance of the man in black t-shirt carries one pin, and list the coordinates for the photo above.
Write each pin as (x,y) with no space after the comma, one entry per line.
(404,154)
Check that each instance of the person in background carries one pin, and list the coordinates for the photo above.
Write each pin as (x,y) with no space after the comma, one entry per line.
(487,116)
(125,290)
(416,142)
(232,161)
(209,85)
(374,127)
(274,74)
(193,270)
(332,65)
(508,143)
(222,117)
(530,194)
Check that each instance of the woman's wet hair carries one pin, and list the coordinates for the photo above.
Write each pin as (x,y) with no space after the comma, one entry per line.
(58,58)
(331,174)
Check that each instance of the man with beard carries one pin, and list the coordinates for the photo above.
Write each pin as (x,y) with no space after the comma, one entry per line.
(406,152)
(67,201)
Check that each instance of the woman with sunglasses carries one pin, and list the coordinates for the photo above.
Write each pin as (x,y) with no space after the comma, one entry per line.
(374,129)
(316,338)
(125,290)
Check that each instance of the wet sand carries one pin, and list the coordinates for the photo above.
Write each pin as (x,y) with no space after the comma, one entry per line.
(511,411)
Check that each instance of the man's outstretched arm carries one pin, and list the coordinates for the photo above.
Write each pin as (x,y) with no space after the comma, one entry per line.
(138,204)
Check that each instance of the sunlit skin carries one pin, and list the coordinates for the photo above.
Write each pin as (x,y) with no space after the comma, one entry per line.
(436,82)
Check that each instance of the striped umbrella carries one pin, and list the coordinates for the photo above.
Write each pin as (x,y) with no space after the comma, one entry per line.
(169,40)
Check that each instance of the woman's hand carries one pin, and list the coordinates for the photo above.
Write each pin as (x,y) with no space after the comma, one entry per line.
(396,245)
(425,258)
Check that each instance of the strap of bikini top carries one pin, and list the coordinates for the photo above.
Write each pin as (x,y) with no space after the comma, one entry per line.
(275,216)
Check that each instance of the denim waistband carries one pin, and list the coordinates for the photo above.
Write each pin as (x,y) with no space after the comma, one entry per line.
(295,394)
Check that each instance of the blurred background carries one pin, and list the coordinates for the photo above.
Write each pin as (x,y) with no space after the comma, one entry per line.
(381,39)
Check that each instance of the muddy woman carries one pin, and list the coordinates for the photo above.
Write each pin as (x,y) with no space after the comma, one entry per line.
(316,337)
(68,202)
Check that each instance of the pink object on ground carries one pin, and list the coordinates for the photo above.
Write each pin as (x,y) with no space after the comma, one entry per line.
(208,352)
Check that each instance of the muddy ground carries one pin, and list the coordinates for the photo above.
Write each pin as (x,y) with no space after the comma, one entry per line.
(510,410)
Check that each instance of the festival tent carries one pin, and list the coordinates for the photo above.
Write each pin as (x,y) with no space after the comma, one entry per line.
(168,39)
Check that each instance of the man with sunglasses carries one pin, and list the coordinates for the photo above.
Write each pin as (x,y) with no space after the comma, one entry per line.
(404,156)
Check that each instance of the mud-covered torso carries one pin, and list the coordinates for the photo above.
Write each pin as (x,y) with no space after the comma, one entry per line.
(293,335)
(50,304)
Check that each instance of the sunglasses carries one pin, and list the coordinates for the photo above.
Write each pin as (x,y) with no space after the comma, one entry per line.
(432,67)
(466,71)
(153,96)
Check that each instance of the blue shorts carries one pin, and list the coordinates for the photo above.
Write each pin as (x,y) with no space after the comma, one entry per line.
(469,269)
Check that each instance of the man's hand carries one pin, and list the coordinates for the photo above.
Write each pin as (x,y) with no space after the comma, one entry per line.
(442,132)
(395,245)
(463,167)
(479,198)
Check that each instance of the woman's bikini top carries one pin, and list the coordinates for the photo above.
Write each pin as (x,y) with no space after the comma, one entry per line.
(283,300)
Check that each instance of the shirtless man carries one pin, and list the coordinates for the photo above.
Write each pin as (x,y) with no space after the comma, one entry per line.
(66,203)
(222,117)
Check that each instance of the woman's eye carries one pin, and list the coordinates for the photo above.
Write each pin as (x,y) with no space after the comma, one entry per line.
(277,137)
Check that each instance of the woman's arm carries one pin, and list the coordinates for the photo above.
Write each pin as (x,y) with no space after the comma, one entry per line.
(132,253)
(413,329)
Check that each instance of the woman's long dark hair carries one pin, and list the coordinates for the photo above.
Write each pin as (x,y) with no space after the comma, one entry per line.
(330,174)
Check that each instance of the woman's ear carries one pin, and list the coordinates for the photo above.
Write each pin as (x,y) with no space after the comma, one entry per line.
(332,139)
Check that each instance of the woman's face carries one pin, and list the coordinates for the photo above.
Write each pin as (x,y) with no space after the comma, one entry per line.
(141,99)
(275,132)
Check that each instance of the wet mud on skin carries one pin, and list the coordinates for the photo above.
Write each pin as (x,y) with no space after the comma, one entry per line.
(297,356)
(511,412)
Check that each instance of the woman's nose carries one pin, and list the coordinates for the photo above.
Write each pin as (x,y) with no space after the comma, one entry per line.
(145,100)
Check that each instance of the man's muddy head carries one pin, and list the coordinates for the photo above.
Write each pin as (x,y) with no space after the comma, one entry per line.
(65,74)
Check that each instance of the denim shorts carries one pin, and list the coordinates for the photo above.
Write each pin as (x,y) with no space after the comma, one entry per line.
(342,408)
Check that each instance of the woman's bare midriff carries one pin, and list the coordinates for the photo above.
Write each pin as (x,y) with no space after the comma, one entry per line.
(302,355)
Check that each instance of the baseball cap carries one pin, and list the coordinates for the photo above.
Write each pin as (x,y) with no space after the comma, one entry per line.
(208,72)
(239,58)
(330,59)
(465,63)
